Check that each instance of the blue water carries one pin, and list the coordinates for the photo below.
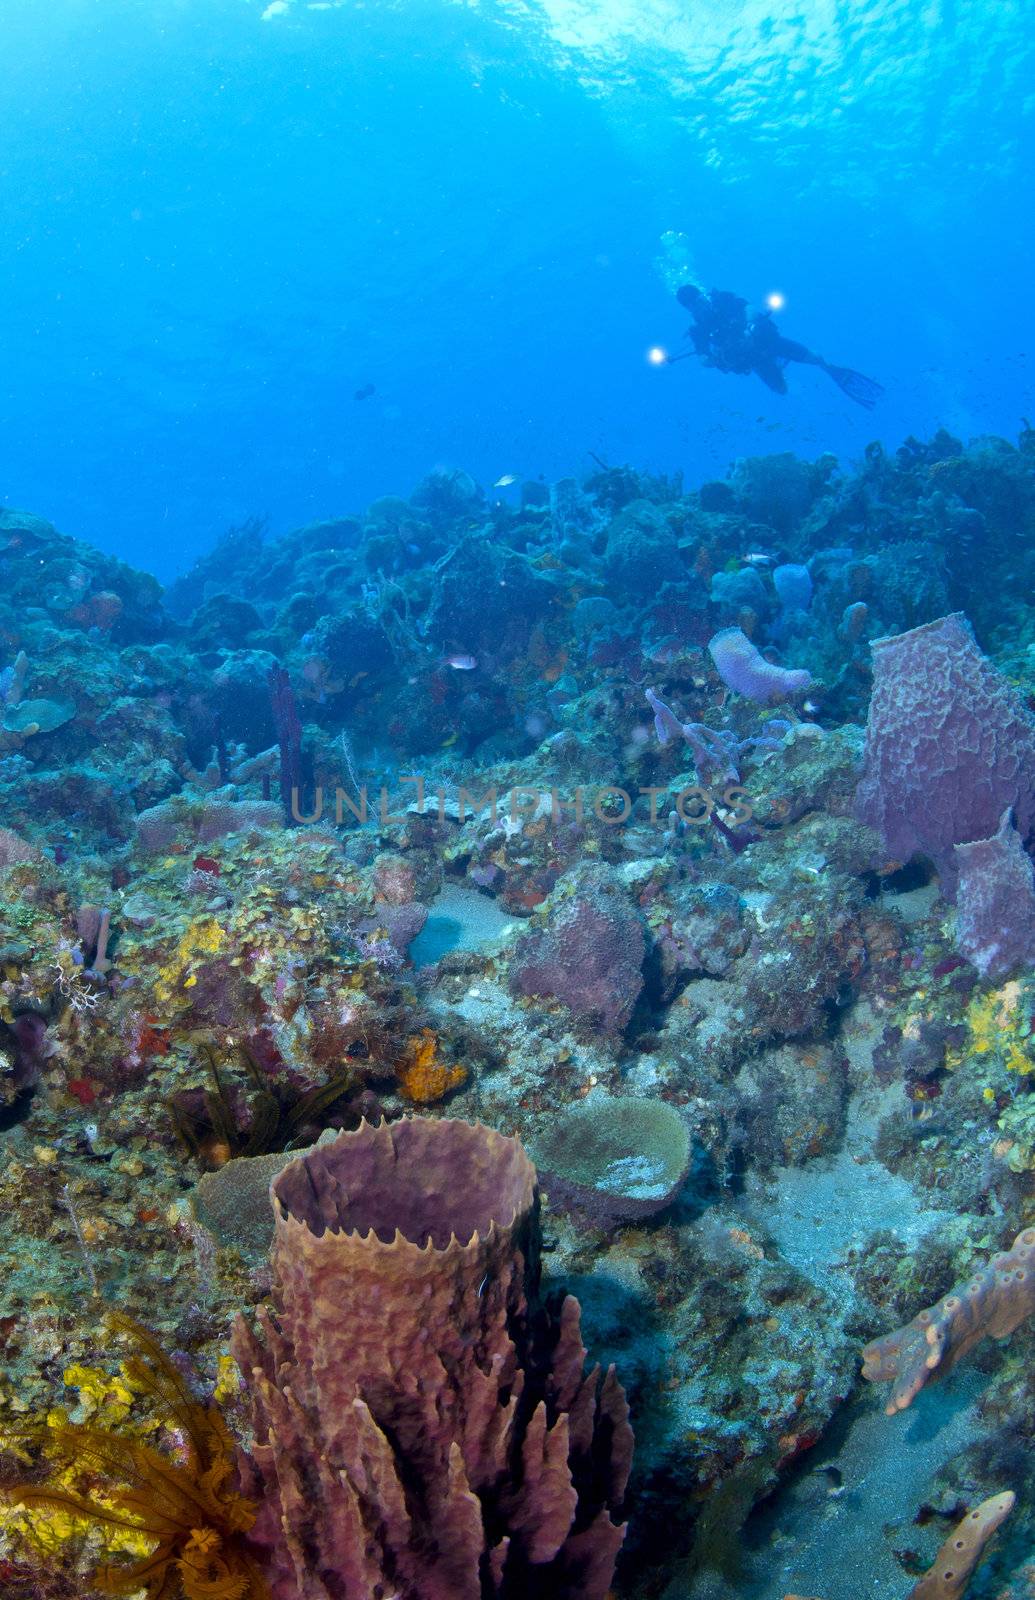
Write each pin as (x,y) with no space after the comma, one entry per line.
(220,223)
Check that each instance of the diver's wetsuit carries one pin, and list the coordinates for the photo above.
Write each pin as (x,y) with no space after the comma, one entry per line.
(726,336)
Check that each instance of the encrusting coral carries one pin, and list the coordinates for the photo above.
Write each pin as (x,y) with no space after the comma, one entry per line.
(422,1427)
(992,1303)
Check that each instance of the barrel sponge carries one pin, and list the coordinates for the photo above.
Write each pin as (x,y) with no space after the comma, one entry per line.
(423,1427)
(995,1300)
(950,746)
(995,902)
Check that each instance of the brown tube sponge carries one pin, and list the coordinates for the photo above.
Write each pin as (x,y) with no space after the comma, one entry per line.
(423,1429)
(959,1555)
(962,1550)
(997,1299)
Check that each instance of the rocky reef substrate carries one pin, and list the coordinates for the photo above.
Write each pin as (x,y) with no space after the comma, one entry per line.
(572,813)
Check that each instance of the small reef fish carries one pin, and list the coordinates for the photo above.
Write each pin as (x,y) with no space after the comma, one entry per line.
(758,558)
(460,663)
(505,482)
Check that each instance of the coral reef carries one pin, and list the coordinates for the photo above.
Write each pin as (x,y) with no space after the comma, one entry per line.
(557,880)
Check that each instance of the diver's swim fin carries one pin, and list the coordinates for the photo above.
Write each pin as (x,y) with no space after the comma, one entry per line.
(863,390)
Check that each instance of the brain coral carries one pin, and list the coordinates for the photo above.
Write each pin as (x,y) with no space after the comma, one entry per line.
(614,1159)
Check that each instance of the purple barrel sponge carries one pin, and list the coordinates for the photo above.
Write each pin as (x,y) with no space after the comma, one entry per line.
(950,746)
(995,902)
(742,667)
(423,1427)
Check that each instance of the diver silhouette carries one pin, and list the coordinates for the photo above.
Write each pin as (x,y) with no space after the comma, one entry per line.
(729,337)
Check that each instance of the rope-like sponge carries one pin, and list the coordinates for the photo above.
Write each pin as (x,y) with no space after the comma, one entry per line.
(962,1550)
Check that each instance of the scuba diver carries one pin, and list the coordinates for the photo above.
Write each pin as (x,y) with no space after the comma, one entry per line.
(727,336)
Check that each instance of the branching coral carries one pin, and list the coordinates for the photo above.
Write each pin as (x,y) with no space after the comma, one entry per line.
(186,1507)
(992,1303)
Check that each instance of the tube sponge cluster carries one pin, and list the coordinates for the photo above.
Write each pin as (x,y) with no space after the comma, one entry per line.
(423,1429)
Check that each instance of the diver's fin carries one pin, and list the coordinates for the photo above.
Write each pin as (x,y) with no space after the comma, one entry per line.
(863,390)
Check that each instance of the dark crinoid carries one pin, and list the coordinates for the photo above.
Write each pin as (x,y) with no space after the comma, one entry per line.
(188,1504)
(274,1118)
